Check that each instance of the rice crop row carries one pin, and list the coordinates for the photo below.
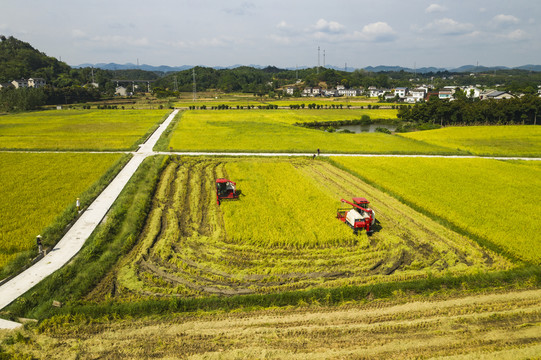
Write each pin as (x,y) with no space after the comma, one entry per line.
(498,201)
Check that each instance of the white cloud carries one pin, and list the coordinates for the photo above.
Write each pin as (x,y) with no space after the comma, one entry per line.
(330,27)
(282,25)
(505,19)
(516,35)
(432,8)
(378,31)
(448,26)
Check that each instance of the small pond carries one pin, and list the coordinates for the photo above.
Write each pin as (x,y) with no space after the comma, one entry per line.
(366,128)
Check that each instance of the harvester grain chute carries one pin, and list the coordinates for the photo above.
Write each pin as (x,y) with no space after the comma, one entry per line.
(226,189)
(359,217)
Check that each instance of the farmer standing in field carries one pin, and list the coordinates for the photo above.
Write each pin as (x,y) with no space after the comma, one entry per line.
(40,246)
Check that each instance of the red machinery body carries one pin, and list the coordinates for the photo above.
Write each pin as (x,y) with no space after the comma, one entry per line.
(225,189)
(360,216)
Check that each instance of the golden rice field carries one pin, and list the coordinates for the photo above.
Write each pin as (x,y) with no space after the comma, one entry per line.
(517,140)
(78,129)
(273,131)
(465,327)
(498,201)
(281,235)
(36,188)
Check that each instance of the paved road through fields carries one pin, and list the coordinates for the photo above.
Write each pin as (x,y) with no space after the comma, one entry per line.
(75,238)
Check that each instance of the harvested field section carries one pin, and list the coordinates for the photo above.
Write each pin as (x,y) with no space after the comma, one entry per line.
(505,325)
(193,247)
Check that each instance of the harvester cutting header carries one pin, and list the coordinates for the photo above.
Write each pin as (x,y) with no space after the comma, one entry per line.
(360,216)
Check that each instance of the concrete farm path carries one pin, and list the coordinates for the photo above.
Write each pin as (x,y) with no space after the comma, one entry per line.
(76,236)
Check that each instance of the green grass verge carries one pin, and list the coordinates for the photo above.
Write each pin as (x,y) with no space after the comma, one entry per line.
(165,139)
(525,277)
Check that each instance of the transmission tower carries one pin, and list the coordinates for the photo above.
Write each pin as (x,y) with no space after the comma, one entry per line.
(317,70)
(175,87)
(194,87)
(324,58)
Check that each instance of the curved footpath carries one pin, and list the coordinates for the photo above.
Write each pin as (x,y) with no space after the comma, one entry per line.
(75,238)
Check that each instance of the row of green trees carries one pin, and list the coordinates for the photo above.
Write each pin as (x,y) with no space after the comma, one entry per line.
(12,99)
(524,110)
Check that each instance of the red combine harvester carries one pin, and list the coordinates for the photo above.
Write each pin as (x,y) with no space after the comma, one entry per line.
(226,189)
(359,217)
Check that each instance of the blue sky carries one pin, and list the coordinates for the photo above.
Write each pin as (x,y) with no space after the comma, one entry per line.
(280,33)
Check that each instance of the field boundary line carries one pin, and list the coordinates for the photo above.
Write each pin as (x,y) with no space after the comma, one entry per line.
(269,154)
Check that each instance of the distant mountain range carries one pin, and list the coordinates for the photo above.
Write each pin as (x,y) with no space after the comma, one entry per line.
(380,68)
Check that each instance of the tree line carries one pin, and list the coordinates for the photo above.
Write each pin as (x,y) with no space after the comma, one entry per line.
(523,110)
(25,99)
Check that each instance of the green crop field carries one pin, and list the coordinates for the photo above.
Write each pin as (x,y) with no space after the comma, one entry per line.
(281,235)
(36,188)
(498,201)
(518,140)
(273,131)
(78,129)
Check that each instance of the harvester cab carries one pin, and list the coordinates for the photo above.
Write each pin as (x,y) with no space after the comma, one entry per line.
(359,216)
(226,189)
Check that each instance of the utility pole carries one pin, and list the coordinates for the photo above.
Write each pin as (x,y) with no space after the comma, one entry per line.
(346,67)
(194,87)
(324,58)
(175,88)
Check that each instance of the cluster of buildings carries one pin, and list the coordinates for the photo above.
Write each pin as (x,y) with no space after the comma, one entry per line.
(404,94)
(24,83)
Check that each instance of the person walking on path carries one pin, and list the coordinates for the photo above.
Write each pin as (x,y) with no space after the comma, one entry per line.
(78,204)
(317,152)
(38,243)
